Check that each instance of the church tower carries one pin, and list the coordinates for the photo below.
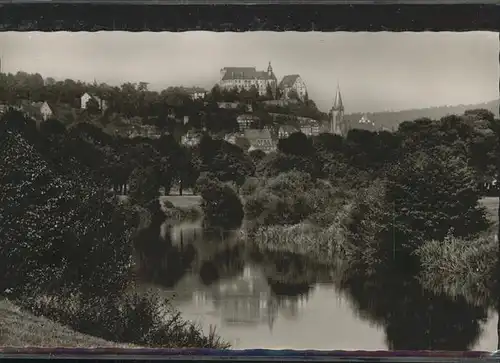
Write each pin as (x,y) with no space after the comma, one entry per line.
(272,81)
(337,114)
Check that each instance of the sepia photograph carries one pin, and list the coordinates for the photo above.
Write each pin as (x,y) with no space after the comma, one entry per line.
(271,190)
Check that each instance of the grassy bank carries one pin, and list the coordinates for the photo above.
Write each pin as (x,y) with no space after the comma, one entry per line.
(19,328)
(463,267)
(323,244)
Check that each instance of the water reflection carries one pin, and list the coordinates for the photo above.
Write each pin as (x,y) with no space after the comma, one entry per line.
(266,299)
(413,318)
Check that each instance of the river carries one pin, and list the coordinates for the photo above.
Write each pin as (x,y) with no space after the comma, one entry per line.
(262,299)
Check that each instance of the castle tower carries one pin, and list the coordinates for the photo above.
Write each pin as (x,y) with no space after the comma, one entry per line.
(337,115)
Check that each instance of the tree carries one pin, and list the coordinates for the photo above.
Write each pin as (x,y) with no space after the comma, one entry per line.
(144,185)
(276,163)
(60,231)
(433,193)
(296,144)
(220,204)
(93,107)
(257,155)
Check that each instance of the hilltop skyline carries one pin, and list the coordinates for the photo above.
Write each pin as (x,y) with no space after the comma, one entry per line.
(376,71)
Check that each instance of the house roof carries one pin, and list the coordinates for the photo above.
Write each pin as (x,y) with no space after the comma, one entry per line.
(256,134)
(245,73)
(97,98)
(288,80)
(288,128)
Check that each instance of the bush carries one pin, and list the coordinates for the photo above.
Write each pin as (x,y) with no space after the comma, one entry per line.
(221,205)
(141,319)
(291,198)
(250,186)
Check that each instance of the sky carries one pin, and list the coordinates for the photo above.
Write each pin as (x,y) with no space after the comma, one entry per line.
(375,71)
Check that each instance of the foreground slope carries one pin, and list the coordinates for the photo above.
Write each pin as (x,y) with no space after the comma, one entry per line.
(18,329)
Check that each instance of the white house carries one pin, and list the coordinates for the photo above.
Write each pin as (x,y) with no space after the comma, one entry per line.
(196,93)
(46,111)
(86,97)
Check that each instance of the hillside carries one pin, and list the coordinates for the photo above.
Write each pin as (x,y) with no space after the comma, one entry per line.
(21,329)
(390,120)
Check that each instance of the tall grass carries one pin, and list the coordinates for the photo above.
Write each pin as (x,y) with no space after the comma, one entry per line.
(460,267)
(324,244)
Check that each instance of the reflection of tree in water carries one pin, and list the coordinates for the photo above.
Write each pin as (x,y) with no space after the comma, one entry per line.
(414,319)
(288,274)
(158,260)
(225,264)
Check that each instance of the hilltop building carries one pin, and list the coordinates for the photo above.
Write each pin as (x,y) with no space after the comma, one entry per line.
(290,83)
(196,93)
(244,78)
(337,123)
(86,97)
(46,110)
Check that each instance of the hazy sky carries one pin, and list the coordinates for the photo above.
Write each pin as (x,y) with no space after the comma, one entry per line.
(376,71)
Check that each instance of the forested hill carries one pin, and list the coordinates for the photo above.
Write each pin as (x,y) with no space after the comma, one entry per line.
(391,120)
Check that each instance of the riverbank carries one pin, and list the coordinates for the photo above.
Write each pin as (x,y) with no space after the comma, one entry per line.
(19,328)
(464,267)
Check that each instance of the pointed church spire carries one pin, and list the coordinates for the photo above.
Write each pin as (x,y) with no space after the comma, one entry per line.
(337,103)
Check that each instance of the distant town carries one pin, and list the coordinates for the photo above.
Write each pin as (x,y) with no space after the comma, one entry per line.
(263,109)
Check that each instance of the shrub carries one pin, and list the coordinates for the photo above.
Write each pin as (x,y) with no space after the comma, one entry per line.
(143,319)
(221,205)
(250,186)
(291,198)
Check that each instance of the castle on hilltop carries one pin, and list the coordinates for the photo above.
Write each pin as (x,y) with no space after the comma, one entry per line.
(244,78)
(291,86)
(248,77)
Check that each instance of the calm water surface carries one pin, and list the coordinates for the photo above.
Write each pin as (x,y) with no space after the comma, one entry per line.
(279,301)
